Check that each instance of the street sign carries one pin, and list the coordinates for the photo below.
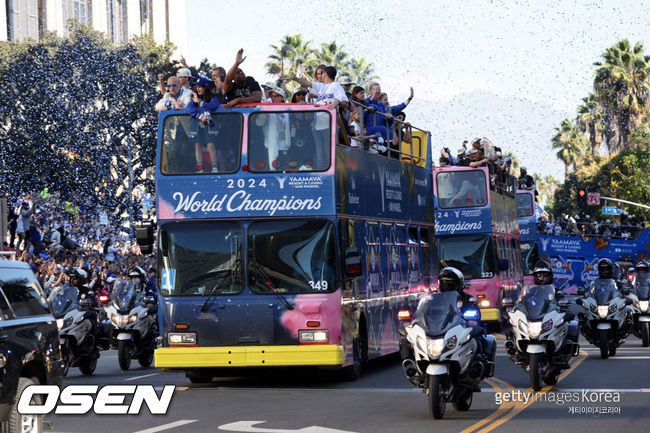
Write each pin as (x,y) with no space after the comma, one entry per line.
(593,199)
(612,210)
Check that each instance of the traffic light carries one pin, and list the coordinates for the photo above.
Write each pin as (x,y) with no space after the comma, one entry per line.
(582,199)
(582,193)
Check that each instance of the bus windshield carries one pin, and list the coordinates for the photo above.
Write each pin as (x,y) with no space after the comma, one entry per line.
(190,146)
(465,188)
(525,205)
(293,256)
(195,266)
(290,141)
(473,255)
(529,256)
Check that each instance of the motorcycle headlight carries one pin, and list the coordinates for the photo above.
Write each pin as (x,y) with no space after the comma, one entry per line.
(59,324)
(534,329)
(547,325)
(613,308)
(602,311)
(119,320)
(133,318)
(523,327)
(451,343)
(643,306)
(434,347)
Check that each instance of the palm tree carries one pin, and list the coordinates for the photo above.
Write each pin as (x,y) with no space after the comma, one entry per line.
(572,145)
(591,119)
(361,72)
(331,54)
(622,85)
(515,161)
(297,56)
(546,187)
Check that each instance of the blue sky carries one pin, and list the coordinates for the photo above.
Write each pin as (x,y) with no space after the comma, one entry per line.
(507,70)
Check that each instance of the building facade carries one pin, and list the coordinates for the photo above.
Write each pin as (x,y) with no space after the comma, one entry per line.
(164,20)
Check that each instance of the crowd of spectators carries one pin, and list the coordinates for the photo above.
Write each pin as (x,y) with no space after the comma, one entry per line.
(372,122)
(568,225)
(54,236)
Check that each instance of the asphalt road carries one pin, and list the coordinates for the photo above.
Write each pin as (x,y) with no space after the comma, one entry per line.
(311,401)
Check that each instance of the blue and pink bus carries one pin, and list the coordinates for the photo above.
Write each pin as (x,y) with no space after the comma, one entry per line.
(285,248)
(477,231)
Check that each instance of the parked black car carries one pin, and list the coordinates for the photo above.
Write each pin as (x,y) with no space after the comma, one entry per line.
(29,344)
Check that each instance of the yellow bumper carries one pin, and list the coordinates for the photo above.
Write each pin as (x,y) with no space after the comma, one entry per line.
(248,356)
(489,314)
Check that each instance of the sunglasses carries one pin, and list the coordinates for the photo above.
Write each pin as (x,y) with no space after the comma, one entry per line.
(170,85)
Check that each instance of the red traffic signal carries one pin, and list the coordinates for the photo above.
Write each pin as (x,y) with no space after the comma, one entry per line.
(581,193)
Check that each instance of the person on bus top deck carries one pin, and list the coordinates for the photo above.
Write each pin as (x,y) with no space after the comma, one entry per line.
(204,128)
(526,181)
(176,97)
(238,88)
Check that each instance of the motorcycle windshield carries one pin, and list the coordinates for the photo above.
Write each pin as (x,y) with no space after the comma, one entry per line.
(604,291)
(439,312)
(125,296)
(643,285)
(538,301)
(64,299)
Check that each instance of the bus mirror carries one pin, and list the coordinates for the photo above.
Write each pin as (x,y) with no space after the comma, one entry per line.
(503,264)
(144,236)
(353,262)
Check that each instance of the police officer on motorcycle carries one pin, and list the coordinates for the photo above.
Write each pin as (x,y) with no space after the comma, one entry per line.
(138,276)
(79,279)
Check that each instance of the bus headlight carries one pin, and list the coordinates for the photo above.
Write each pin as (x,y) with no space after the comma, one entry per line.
(484,303)
(181,338)
(314,336)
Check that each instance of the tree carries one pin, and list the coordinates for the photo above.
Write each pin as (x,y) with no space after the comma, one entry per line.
(572,145)
(300,59)
(591,120)
(77,113)
(515,161)
(296,53)
(621,83)
(546,187)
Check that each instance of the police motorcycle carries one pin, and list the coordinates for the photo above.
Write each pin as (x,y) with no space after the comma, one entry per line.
(543,337)
(640,298)
(606,321)
(75,318)
(133,319)
(441,352)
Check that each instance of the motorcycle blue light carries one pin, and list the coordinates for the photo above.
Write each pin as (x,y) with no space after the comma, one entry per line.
(471,314)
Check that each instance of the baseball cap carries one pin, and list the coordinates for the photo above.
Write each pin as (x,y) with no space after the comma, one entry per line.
(279,91)
(184,72)
(345,80)
(203,81)
(268,85)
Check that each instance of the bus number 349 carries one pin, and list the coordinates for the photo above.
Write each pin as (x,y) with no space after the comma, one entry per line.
(241,183)
(318,285)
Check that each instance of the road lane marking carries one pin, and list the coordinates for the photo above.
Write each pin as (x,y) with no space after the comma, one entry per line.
(171,425)
(520,407)
(498,385)
(142,377)
(630,357)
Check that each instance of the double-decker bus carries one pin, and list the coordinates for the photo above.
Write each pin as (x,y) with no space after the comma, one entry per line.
(527,234)
(285,248)
(477,232)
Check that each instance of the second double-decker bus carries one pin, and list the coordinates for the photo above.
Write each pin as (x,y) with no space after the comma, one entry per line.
(477,233)
(283,247)
(527,234)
